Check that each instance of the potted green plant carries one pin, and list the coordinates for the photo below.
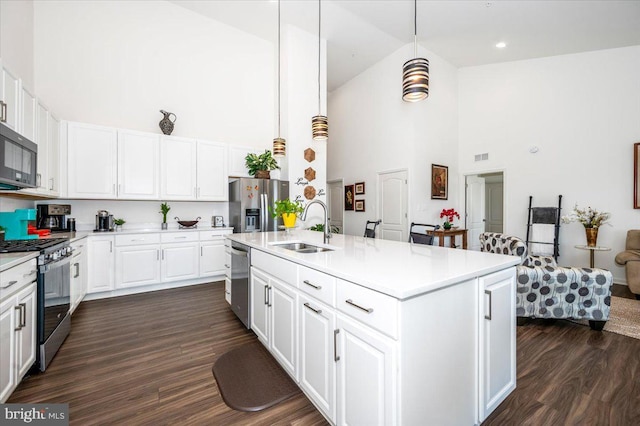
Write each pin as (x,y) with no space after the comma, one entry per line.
(164,209)
(119,222)
(289,210)
(261,165)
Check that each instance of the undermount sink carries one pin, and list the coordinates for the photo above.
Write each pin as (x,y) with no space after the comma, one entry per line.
(303,247)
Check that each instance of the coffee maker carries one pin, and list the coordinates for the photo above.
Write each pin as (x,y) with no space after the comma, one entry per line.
(104,221)
(52,216)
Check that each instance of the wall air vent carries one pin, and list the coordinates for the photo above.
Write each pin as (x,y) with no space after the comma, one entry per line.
(482,157)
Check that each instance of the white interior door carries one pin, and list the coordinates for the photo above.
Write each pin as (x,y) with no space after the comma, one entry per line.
(475,210)
(336,208)
(392,196)
(494,206)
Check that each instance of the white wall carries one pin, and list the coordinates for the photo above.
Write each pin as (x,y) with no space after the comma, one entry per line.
(583,113)
(117,63)
(16,39)
(300,103)
(372,130)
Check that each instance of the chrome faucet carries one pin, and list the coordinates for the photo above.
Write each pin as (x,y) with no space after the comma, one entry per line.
(327,231)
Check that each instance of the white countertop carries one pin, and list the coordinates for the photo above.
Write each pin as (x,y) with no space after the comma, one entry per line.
(398,269)
(9,260)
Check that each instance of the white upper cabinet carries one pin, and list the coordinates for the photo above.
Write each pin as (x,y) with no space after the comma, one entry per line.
(28,127)
(237,156)
(92,161)
(178,163)
(9,99)
(212,171)
(138,165)
(53,151)
(42,139)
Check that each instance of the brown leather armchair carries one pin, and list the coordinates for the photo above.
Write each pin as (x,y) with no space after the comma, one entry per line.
(631,259)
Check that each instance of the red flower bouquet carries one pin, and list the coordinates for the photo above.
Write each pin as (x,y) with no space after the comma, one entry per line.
(449,214)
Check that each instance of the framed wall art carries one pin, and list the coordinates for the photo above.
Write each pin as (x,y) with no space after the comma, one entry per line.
(359,205)
(359,189)
(439,182)
(636,176)
(348,197)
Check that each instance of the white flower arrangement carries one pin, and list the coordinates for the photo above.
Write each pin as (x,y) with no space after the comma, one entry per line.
(589,218)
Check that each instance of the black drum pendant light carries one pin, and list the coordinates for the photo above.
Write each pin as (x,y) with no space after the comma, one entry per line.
(415,72)
(319,123)
(279,144)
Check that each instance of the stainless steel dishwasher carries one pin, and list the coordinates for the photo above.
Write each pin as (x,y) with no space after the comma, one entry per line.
(240,256)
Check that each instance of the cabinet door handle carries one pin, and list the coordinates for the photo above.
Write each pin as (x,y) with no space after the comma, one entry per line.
(19,309)
(29,274)
(269,293)
(23,315)
(137,239)
(227,266)
(38,180)
(367,310)
(12,283)
(180,238)
(114,189)
(317,311)
(266,295)
(157,254)
(3,112)
(162,254)
(201,251)
(336,358)
(50,184)
(119,189)
(485,315)
(110,246)
(317,287)
(198,192)
(77,266)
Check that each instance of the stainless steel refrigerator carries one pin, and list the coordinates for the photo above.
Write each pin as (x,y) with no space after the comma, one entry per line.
(251,203)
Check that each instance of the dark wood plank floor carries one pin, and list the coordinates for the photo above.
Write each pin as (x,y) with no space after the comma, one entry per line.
(146,359)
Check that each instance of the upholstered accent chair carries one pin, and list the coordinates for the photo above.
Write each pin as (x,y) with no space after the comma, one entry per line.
(630,258)
(546,290)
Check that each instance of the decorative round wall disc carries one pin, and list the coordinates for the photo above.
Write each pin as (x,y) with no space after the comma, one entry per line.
(309,192)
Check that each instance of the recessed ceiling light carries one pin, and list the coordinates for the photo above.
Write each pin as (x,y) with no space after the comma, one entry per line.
(501,45)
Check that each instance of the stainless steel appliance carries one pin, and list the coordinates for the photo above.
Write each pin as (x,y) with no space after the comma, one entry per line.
(250,201)
(53,294)
(18,160)
(104,221)
(52,216)
(240,261)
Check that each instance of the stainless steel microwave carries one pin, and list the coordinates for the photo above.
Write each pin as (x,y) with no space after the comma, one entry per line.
(18,160)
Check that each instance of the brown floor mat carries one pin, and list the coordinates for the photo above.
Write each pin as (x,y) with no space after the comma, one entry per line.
(250,379)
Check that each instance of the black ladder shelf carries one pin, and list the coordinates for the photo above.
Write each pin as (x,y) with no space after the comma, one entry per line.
(545,215)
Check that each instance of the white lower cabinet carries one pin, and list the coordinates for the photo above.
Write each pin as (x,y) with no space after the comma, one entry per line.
(274,318)
(179,261)
(137,265)
(17,326)
(497,340)
(78,286)
(318,354)
(212,257)
(101,263)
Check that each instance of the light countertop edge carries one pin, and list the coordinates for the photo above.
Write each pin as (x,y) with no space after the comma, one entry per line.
(398,269)
(9,260)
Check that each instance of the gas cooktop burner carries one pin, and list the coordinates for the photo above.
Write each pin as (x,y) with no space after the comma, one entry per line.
(14,246)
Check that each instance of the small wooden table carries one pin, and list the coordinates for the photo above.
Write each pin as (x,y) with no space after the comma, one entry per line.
(441,233)
(592,251)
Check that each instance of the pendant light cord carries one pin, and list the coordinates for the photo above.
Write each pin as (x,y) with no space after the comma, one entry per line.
(278,68)
(415,28)
(319,26)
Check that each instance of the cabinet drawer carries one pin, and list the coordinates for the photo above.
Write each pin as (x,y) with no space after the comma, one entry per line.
(212,235)
(373,309)
(179,237)
(317,284)
(14,278)
(282,269)
(137,239)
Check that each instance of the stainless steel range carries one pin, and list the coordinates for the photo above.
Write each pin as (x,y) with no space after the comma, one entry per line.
(54,299)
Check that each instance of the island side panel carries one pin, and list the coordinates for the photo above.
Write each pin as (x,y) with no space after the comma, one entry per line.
(438,356)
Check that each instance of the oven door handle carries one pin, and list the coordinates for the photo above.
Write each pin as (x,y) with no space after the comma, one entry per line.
(55,264)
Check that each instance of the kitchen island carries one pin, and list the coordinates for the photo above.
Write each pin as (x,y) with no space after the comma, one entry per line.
(385,332)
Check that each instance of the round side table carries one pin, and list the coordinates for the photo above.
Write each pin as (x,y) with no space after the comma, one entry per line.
(592,251)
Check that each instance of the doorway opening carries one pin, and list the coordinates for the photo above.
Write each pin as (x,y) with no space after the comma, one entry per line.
(484,205)
(335,200)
